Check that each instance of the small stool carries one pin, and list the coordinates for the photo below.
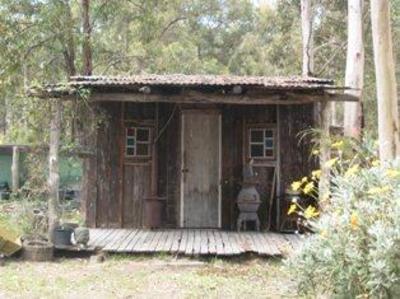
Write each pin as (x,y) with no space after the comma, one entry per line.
(244,218)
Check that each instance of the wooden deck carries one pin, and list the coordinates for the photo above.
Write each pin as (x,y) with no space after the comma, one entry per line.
(192,242)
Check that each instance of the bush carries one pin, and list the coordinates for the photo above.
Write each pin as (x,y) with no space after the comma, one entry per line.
(356,248)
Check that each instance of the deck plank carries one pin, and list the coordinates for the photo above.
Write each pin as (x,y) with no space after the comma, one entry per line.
(123,246)
(196,242)
(105,238)
(169,241)
(204,242)
(176,240)
(112,245)
(234,243)
(161,242)
(131,246)
(184,241)
(101,235)
(146,243)
(212,249)
(219,243)
(190,242)
(155,240)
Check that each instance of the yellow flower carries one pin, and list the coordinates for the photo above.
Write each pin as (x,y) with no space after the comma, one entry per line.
(315,152)
(316,174)
(378,190)
(331,162)
(308,188)
(292,209)
(352,170)
(376,163)
(338,144)
(310,212)
(354,220)
(393,173)
(304,180)
(296,186)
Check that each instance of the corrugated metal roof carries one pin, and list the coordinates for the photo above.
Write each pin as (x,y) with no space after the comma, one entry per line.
(201,80)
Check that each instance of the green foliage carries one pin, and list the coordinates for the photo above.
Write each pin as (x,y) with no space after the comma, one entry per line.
(355,250)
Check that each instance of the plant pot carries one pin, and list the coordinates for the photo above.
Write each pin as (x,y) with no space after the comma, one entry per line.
(62,236)
(153,212)
(37,250)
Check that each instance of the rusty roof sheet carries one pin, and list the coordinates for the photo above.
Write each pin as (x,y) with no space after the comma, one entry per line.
(201,80)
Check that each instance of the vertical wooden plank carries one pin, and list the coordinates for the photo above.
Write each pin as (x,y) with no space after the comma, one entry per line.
(121,143)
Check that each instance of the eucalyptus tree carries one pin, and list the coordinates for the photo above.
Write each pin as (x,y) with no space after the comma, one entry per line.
(354,68)
(388,115)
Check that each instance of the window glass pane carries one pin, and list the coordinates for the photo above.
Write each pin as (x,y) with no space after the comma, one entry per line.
(130,131)
(269,134)
(269,153)
(142,150)
(256,136)
(130,141)
(257,150)
(269,143)
(143,134)
(130,151)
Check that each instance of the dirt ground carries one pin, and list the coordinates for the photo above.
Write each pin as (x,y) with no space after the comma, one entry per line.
(145,277)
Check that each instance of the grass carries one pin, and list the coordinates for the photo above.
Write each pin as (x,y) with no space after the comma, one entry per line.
(145,277)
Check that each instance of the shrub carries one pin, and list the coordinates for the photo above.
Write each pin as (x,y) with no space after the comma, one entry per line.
(355,250)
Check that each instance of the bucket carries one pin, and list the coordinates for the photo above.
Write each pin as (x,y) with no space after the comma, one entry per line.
(153,212)
(62,236)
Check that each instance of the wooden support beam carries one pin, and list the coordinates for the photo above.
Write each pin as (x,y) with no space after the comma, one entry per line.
(325,153)
(54,175)
(15,169)
(291,98)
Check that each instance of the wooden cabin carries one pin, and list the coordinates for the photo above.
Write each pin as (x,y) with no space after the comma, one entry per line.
(183,141)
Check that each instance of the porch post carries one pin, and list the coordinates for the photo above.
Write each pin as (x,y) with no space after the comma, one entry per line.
(15,169)
(325,152)
(54,176)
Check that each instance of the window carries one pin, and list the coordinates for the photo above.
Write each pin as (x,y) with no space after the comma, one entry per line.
(137,142)
(262,143)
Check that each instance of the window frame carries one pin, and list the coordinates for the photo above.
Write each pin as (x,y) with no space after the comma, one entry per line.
(137,142)
(264,129)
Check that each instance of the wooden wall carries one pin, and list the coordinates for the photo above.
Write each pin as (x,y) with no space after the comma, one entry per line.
(110,208)
(109,167)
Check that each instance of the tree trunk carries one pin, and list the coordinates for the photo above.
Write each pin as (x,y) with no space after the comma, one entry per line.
(388,116)
(54,176)
(307,37)
(87,31)
(15,169)
(354,68)
(69,46)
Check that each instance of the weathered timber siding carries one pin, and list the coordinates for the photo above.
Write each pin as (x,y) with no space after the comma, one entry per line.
(113,203)
(295,148)
(109,167)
